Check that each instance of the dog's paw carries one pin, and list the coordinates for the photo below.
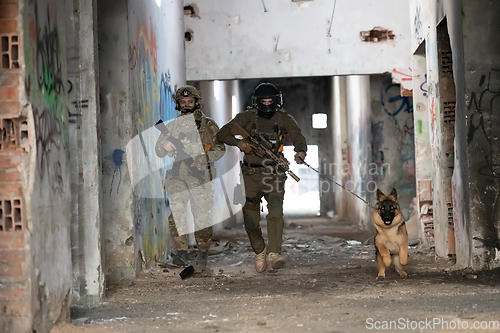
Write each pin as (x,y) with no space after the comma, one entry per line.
(403,275)
(381,277)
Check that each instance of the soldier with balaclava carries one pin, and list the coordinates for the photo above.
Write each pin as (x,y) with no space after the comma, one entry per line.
(261,176)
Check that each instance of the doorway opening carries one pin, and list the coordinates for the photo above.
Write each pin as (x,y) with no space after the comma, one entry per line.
(301,198)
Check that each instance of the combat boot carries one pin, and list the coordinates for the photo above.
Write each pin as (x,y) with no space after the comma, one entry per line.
(275,261)
(201,260)
(180,258)
(260,261)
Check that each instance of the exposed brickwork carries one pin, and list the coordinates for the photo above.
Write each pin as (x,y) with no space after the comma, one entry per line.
(11,133)
(11,215)
(376,35)
(11,240)
(9,51)
(14,309)
(426,210)
(12,291)
(11,263)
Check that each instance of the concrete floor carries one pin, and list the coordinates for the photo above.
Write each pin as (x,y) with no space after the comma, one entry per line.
(328,285)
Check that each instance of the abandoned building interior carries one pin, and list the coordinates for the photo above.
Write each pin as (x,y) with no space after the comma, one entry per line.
(388,93)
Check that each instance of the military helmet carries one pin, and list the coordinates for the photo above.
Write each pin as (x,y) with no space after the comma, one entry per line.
(187,91)
(267,91)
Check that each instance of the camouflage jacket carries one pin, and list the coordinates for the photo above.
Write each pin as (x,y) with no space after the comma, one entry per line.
(250,121)
(197,135)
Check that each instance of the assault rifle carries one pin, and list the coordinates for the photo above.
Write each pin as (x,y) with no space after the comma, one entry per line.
(265,146)
(181,155)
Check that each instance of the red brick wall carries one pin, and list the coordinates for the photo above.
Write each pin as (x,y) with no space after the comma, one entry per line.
(13,130)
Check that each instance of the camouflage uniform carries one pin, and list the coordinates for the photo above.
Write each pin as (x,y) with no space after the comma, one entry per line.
(191,179)
(260,180)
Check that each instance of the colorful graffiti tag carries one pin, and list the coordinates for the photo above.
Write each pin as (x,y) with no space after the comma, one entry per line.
(392,101)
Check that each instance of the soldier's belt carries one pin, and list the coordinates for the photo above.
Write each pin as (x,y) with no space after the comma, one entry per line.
(250,165)
(250,169)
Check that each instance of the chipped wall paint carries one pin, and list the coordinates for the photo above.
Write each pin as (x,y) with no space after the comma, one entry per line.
(47,187)
(423,160)
(481,92)
(471,26)
(239,39)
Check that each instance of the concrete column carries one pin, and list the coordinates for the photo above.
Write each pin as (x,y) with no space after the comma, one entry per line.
(116,129)
(339,132)
(220,105)
(423,152)
(89,163)
(358,146)
(481,106)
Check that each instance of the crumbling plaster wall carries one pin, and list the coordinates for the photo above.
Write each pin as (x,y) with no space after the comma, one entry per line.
(280,38)
(471,27)
(481,107)
(425,17)
(47,183)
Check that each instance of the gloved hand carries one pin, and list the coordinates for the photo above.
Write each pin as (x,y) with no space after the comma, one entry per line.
(300,154)
(245,147)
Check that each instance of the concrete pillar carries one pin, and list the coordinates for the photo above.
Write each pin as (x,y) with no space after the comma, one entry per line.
(358,147)
(482,108)
(116,130)
(221,101)
(423,151)
(339,132)
(88,155)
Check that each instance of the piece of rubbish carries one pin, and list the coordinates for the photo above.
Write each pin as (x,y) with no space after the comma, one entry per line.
(187,272)
(238,263)
(353,242)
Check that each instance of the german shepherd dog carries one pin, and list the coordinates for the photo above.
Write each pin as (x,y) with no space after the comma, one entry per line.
(391,241)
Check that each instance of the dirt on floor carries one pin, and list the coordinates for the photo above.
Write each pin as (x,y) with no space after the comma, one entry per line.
(328,285)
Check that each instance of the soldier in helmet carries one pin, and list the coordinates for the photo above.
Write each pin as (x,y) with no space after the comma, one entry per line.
(191,142)
(261,177)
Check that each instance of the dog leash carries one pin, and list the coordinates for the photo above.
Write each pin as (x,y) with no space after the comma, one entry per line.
(325,176)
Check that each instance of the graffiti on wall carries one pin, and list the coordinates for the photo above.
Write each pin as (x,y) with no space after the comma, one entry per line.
(377,148)
(392,101)
(145,91)
(117,162)
(393,137)
(48,139)
(423,87)
(167,103)
(485,106)
(151,100)
(44,83)
(417,26)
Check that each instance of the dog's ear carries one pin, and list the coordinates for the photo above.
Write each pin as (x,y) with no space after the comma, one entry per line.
(394,194)
(379,195)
